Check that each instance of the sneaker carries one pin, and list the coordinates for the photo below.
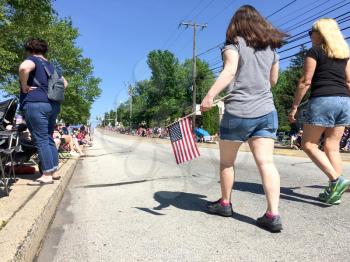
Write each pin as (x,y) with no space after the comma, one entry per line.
(218,209)
(325,195)
(332,194)
(272,224)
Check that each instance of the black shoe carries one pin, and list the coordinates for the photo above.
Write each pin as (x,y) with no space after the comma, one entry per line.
(272,224)
(218,209)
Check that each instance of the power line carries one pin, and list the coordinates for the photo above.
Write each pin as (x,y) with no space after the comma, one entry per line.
(293,39)
(312,18)
(282,8)
(203,9)
(176,29)
(281,60)
(299,45)
(213,48)
(196,16)
(210,49)
(305,31)
(284,58)
(301,8)
(221,11)
(219,62)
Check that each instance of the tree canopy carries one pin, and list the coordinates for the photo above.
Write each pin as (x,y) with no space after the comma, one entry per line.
(167,95)
(20,20)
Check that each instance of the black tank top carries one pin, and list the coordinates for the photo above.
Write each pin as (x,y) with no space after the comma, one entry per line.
(329,77)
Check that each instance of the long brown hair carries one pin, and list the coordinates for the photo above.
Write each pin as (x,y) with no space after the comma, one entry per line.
(258,33)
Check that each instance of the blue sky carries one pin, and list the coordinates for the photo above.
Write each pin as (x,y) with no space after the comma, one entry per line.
(117,35)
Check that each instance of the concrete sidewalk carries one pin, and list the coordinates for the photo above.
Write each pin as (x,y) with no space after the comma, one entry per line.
(26,214)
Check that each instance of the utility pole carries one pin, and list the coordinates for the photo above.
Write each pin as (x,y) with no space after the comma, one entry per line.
(116,112)
(194,25)
(116,116)
(130,94)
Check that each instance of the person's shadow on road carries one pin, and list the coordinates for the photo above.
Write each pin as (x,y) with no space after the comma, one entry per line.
(189,202)
(198,203)
(287,193)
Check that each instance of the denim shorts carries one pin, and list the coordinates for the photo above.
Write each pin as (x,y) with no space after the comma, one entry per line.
(328,111)
(240,129)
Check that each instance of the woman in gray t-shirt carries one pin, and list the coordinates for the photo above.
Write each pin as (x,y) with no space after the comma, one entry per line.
(250,69)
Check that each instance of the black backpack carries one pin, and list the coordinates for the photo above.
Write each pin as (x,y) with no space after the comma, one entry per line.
(55,85)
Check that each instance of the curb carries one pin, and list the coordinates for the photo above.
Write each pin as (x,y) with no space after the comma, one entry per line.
(21,237)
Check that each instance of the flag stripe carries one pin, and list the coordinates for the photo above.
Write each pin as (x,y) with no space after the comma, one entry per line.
(194,140)
(188,139)
(193,144)
(177,152)
(177,143)
(177,161)
(184,142)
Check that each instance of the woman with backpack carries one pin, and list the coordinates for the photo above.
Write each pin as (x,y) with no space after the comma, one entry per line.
(250,69)
(40,111)
(327,72)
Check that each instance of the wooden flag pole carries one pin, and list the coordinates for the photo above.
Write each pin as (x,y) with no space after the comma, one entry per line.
(214,103)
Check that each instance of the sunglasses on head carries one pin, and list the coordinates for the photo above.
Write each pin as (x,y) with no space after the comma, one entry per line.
(311,31)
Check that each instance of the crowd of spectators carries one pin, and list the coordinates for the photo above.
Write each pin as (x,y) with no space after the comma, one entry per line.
(156,132)
(294,140)
(72,139)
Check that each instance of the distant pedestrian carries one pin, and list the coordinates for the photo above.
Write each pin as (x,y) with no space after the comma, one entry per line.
(327,72)
(250,69)
(40,112)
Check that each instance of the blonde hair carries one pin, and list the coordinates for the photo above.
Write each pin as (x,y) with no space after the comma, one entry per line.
(334,43)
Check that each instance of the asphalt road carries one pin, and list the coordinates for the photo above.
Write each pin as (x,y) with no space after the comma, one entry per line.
(129,201)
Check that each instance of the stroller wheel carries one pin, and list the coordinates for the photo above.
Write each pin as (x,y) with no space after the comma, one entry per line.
(40,169)
(4,186)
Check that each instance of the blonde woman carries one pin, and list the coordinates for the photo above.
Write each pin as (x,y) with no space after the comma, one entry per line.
(327,72)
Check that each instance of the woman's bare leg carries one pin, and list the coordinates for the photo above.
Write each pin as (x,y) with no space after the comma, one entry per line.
(228,154)
(331,147)
(262,149)
(310,142)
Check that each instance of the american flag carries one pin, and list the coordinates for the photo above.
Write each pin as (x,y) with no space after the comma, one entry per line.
(182,141)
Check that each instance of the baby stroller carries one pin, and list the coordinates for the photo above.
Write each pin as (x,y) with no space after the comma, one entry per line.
(16,146)
(28,151)
(8,143)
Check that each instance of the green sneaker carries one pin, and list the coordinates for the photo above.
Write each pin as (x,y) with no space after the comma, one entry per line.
(332,194)
(324,196)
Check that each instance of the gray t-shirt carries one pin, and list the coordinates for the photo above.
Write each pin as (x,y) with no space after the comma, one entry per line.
(250,91)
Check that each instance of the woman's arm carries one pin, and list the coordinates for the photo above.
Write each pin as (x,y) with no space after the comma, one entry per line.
(226,76)
(65,82)
(347,75)
(24,70)
(274,74)
(304,85)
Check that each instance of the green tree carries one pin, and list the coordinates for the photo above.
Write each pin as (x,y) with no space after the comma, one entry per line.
(167,95)
(211,120)
(20,20)
(285,89)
